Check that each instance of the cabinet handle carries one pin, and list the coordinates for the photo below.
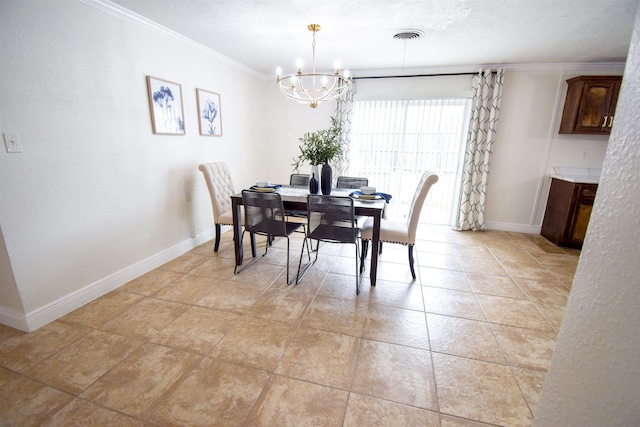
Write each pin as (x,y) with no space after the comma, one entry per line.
(604,122)
(610,120)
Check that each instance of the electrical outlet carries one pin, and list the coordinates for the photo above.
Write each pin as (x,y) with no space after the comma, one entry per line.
(193,232)
(12,142)
(585,153)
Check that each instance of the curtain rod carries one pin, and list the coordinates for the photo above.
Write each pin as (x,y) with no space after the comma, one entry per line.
(418,75)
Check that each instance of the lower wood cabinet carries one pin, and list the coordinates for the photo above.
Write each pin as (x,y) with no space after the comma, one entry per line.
(568,212)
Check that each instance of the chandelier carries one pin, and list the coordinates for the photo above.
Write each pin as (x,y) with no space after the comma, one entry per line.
(313,88)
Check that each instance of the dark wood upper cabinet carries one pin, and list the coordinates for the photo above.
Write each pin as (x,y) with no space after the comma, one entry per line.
(590,105)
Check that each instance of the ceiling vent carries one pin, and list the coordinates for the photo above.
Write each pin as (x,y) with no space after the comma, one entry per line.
(408,35)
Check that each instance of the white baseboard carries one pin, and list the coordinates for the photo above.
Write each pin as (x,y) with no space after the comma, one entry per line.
(516,228)
(13,318)
(66,304)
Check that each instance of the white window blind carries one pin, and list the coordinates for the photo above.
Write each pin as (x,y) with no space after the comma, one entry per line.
(394,142)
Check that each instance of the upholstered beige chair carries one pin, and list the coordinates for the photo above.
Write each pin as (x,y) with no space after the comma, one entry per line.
(220,186)
(403,233)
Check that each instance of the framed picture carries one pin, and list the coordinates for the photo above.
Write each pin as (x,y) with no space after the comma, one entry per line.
(165,103)
(209,113)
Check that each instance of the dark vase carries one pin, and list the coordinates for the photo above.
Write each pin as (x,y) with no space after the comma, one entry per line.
(325,180)
(313,184)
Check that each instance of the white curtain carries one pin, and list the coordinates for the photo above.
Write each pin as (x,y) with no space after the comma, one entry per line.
(487,87)
(344,114)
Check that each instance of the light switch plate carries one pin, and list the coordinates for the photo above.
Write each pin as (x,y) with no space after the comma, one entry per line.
(12,142)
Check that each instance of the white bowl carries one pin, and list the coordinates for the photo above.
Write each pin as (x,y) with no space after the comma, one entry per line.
(262,183)
(368,190)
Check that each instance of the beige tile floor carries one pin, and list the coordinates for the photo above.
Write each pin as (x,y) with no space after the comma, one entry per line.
(467,344)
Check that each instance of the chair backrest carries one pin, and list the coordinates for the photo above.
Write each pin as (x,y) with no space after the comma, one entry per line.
(263,213)
(351,182)
(331,218)
(299,179)
(220,186)
(426,181)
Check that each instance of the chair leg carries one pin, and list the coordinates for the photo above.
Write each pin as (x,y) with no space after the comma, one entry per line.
(237,270)
(413,271)
(309,247)
(253,244)
(363,254)
(217,244)
(302,271)
(288,242)
(358,271)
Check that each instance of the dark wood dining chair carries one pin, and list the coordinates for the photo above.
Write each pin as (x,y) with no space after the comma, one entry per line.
(351,182)
(264,215)
(299,179)
(355,183)
(331,219)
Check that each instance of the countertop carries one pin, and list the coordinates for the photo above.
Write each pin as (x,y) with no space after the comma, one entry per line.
(577,175)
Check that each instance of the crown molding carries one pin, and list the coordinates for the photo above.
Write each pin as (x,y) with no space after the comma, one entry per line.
(127,15)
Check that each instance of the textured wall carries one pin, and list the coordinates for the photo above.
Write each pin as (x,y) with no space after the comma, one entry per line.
(594,378)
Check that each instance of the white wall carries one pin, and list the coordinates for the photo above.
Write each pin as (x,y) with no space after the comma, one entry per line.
(8,289)
(286,121)
(95,198)
(528,145)
(594,377)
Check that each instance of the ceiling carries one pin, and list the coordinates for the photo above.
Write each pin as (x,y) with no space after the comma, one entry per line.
(264,34)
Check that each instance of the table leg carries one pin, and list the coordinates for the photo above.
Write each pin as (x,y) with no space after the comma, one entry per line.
(375,243)
(237,230)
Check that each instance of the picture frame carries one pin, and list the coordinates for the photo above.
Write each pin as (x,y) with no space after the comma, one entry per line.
(165,104)
(209,113)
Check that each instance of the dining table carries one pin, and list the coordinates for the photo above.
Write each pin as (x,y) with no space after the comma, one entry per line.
(295,198)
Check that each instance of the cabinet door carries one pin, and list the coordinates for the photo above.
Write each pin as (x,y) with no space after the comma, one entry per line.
(560,206)
(579,224)
(568,212)
(595,114)
(590,105)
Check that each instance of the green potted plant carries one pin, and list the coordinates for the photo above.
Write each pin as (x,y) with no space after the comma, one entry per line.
(319,148)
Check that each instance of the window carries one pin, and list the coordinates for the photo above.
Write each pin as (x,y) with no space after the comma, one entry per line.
(394,142)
